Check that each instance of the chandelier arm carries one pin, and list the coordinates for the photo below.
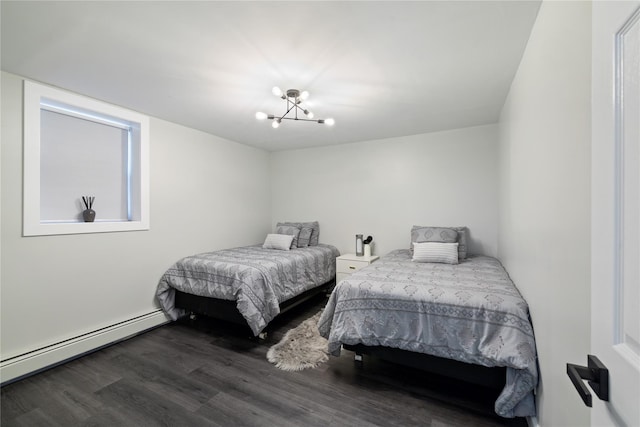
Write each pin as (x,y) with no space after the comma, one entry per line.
(300,108)
(283,116)
(301,120)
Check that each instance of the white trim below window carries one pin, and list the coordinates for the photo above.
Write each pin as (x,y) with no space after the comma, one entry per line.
(38,97)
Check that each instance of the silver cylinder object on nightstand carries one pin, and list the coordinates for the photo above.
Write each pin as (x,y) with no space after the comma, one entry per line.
(359,245)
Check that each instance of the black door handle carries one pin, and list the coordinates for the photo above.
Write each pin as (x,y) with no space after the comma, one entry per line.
(596,373)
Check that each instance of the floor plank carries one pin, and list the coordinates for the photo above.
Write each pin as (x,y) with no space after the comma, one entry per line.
(209,373)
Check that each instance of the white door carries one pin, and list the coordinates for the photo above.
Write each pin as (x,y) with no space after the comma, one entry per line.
(615,222)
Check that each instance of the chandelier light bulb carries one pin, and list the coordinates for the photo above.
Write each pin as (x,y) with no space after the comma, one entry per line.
(261,116)
(330,122)
(275,124)
(304,95)
(277,91)
(308,113)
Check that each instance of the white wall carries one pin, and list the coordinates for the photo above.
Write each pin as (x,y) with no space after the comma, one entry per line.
(207,193)
(383,187)
(544,229)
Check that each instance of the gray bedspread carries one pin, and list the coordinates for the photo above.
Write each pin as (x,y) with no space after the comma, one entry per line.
(258,279)
(470,312)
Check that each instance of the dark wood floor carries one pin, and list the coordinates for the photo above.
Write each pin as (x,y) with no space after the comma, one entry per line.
(205,373)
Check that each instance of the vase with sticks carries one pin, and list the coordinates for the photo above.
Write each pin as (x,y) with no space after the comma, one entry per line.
(88,214)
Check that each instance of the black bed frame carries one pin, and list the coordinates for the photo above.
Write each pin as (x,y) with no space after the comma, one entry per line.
(493,378)
(226,309)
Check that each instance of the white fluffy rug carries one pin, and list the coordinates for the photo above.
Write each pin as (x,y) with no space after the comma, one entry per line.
(301,348)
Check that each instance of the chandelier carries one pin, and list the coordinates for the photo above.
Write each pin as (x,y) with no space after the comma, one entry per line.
(293,98)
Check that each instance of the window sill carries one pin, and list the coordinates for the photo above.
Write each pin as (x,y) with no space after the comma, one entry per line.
(53,228)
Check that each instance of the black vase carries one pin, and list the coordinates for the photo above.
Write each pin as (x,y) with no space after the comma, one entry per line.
(89,215)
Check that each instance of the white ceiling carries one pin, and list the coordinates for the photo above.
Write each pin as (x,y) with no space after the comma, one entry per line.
(380,69)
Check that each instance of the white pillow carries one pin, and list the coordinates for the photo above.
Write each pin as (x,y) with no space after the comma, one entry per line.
(278,241)
(446,253)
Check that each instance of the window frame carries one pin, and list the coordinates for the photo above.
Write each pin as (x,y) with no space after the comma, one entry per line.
(34,95)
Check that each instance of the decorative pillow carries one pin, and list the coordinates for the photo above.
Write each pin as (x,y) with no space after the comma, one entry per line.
(441,234)
(433,234)
(315,235)
(314,225)
(290,230)
(462,241)
(304,237)
(278,241)
(446,253)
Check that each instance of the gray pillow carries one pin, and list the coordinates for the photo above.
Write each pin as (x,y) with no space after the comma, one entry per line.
(315,235)
(305,237)
(291,231)
(441,234)
(462,241)
(315,230)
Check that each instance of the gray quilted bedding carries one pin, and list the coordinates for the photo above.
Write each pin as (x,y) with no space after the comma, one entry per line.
(470,312)
(258,279)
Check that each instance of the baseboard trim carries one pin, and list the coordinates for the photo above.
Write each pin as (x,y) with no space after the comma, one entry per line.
(30,363)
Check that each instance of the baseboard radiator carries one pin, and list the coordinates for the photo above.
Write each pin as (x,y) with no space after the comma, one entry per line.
(18,367)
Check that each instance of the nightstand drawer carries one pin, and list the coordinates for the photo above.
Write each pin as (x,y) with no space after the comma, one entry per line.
(349,266)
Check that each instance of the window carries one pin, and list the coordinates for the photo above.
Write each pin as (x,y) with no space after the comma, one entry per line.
(76,146)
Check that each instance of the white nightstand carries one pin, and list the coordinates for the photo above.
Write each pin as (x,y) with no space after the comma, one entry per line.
(350,263)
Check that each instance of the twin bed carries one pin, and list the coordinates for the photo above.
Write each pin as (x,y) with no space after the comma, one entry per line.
(431,304)
(470,312)
(251,285)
